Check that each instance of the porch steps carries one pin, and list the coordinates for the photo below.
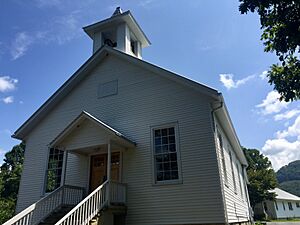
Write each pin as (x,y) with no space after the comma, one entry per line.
(56,215)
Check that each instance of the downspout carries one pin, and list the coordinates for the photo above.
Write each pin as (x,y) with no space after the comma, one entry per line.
(219,167)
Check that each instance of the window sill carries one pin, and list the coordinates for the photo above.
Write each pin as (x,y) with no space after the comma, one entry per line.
(167,182)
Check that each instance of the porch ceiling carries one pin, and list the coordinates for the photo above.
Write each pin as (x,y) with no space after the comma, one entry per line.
(86,130)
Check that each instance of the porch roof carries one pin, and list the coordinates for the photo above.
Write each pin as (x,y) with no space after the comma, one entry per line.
(85,115)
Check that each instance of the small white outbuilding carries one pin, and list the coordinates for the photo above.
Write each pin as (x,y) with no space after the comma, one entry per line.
(286,205)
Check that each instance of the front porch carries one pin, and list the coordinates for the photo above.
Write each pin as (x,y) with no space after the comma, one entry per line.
(100,149)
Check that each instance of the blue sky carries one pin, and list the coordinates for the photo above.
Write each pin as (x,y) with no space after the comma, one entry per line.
(42,44)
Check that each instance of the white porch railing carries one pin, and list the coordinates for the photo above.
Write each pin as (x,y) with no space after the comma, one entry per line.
(117,193)
(34,214)
(88,208)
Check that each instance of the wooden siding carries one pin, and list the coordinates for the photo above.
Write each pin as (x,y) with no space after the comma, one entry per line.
(88,134)
(144,99)
(235,200)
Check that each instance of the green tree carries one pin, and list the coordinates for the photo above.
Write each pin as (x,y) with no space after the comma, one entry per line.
(10,175)
(280,22)
(261,175)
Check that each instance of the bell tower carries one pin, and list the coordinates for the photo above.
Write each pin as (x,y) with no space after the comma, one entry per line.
(120,31)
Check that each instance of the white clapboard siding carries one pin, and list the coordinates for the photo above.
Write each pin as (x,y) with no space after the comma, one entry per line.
(144,99)
(235,201)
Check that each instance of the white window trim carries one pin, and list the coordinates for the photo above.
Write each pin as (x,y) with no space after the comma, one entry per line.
(223,156)
(176,128)
(44,190)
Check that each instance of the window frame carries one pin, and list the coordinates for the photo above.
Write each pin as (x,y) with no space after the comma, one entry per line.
(290,206)
(232,171)
(176,130)
(239,178)
(223,159)
(46,192)
(276,206)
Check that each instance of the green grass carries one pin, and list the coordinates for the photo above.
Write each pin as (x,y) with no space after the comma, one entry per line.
(287,220)
(258,222)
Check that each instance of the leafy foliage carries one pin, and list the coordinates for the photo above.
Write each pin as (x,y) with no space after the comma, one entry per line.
(261,177)
(289,177)
(280,21)
(10,175)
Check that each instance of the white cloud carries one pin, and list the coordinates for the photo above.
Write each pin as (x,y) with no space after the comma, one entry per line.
(147,3)
(65,28)
(7,84)
(281,150)
(20,45)
(8,100)
(263,75)
(2,153)
(61,29)
(271,103)
(291,131)
(287,115)
(229,82)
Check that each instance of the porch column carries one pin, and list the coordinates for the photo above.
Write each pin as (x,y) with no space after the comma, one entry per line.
(64,176)
(108,171)
(65,167)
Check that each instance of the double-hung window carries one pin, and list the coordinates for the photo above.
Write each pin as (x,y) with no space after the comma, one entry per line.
(220,140)
(54,171)
(166,154)
(290,206)
(232,171)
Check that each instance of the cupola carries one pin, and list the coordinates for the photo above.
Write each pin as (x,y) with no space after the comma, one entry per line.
(120,31)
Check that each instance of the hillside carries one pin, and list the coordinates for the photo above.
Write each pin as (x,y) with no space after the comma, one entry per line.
(289,177)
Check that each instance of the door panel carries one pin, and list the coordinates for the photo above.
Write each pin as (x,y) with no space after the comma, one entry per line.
(115,166)
(99,169)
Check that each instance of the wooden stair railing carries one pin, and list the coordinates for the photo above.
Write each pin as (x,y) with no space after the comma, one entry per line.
(34,214)
(88,208)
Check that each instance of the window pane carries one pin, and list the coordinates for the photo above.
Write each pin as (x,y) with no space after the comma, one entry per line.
(157,141)
(173,156)
(157,133)
(158,149)
(166,164)
(165,140)
(174,166)
(165,148)
(159,167)
(167,175)
(160,176)
(159,158)
(171,139)
(55,164)
(171,131)
(166,157)
(174,175)
(172,148)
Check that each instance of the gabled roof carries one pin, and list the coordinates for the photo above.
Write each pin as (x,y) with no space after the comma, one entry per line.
(102,125)
(81,73)
(117,19)
(98,57)
(284,195)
